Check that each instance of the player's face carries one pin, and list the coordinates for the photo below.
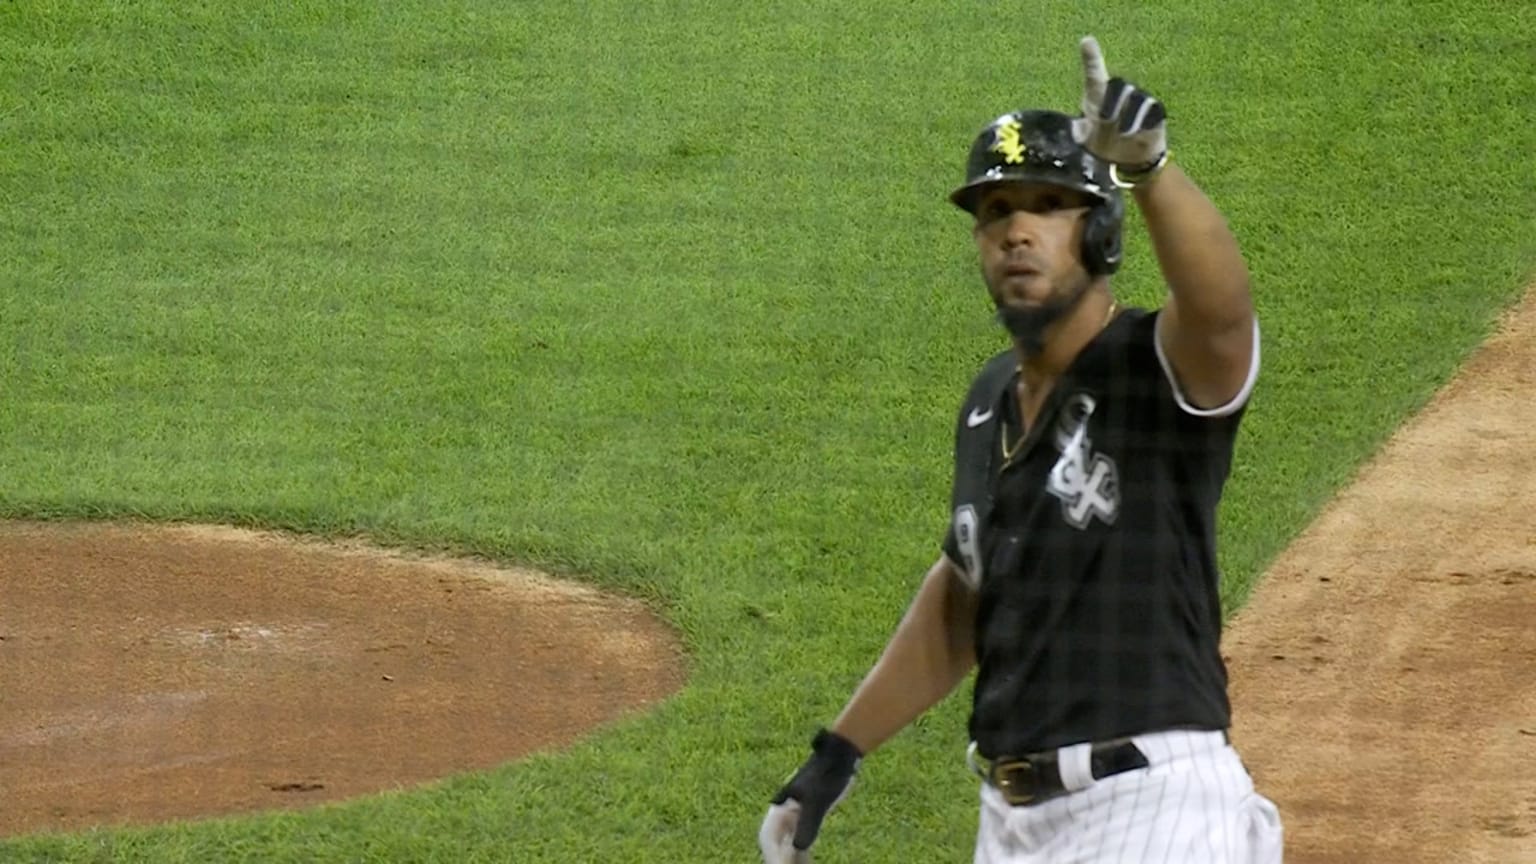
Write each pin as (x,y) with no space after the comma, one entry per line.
(1030,238)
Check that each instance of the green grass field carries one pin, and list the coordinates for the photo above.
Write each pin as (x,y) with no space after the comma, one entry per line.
(667,295)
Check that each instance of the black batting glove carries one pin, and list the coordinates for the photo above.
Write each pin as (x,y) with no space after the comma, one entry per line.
(797,811)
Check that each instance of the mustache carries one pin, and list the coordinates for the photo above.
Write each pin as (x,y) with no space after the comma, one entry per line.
(1023,261)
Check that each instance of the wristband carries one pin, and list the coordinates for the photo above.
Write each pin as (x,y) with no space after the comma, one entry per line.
(1131,179)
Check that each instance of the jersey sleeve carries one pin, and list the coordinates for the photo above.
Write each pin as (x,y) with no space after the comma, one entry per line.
(1227,410)
(975,432)
(962,544)
(950,545)
(952,552)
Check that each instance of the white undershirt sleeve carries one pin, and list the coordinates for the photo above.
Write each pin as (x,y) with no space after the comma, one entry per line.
(1178,394)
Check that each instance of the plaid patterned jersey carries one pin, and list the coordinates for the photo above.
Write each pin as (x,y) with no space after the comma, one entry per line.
(1091,539)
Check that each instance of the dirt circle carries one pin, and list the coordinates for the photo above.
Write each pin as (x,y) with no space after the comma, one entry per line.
(155,673)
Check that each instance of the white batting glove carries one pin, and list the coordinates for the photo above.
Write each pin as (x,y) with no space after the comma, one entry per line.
(776,839)
(1121,124)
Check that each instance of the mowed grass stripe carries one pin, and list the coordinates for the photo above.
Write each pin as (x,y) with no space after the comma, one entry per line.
(668,294)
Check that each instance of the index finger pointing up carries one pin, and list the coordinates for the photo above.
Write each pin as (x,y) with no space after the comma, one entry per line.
(1095,78)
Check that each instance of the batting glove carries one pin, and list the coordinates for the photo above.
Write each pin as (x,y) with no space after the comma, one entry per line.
(1121,124)
(798,809)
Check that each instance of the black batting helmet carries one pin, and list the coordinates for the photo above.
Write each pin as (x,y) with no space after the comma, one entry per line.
(1037,146)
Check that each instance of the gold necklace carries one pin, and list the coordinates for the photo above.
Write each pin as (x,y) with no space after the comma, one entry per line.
(1009,453)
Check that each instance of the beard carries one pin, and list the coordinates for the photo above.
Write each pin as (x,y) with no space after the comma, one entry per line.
(1027,326)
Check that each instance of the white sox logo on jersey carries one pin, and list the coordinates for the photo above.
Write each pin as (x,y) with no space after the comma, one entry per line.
(1087,483)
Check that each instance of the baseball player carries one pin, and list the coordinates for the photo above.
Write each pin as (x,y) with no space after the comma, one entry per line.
(1078,574)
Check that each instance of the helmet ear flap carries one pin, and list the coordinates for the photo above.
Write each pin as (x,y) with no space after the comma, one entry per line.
(1102,245)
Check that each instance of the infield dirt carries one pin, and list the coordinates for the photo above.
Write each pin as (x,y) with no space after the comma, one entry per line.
(1383,674)
(152,673)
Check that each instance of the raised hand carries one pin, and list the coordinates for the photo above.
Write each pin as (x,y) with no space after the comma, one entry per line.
(1121,124)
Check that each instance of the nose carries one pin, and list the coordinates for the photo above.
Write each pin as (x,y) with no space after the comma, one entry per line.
(1021,229)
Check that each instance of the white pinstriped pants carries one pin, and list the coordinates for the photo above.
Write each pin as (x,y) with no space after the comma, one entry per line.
(1194,804)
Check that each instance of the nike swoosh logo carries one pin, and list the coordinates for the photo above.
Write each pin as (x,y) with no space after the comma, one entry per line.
(978,417)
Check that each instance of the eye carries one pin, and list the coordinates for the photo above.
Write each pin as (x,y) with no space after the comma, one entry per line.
(1052,201)
(995,208)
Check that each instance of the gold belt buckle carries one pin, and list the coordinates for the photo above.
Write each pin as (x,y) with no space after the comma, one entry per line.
(1017,790)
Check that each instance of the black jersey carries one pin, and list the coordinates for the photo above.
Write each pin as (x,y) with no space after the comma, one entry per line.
(1092,544)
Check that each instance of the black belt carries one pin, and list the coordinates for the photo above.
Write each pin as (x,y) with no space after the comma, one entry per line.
(1026,780)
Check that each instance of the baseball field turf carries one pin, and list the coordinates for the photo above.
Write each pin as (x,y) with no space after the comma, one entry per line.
(667,297)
